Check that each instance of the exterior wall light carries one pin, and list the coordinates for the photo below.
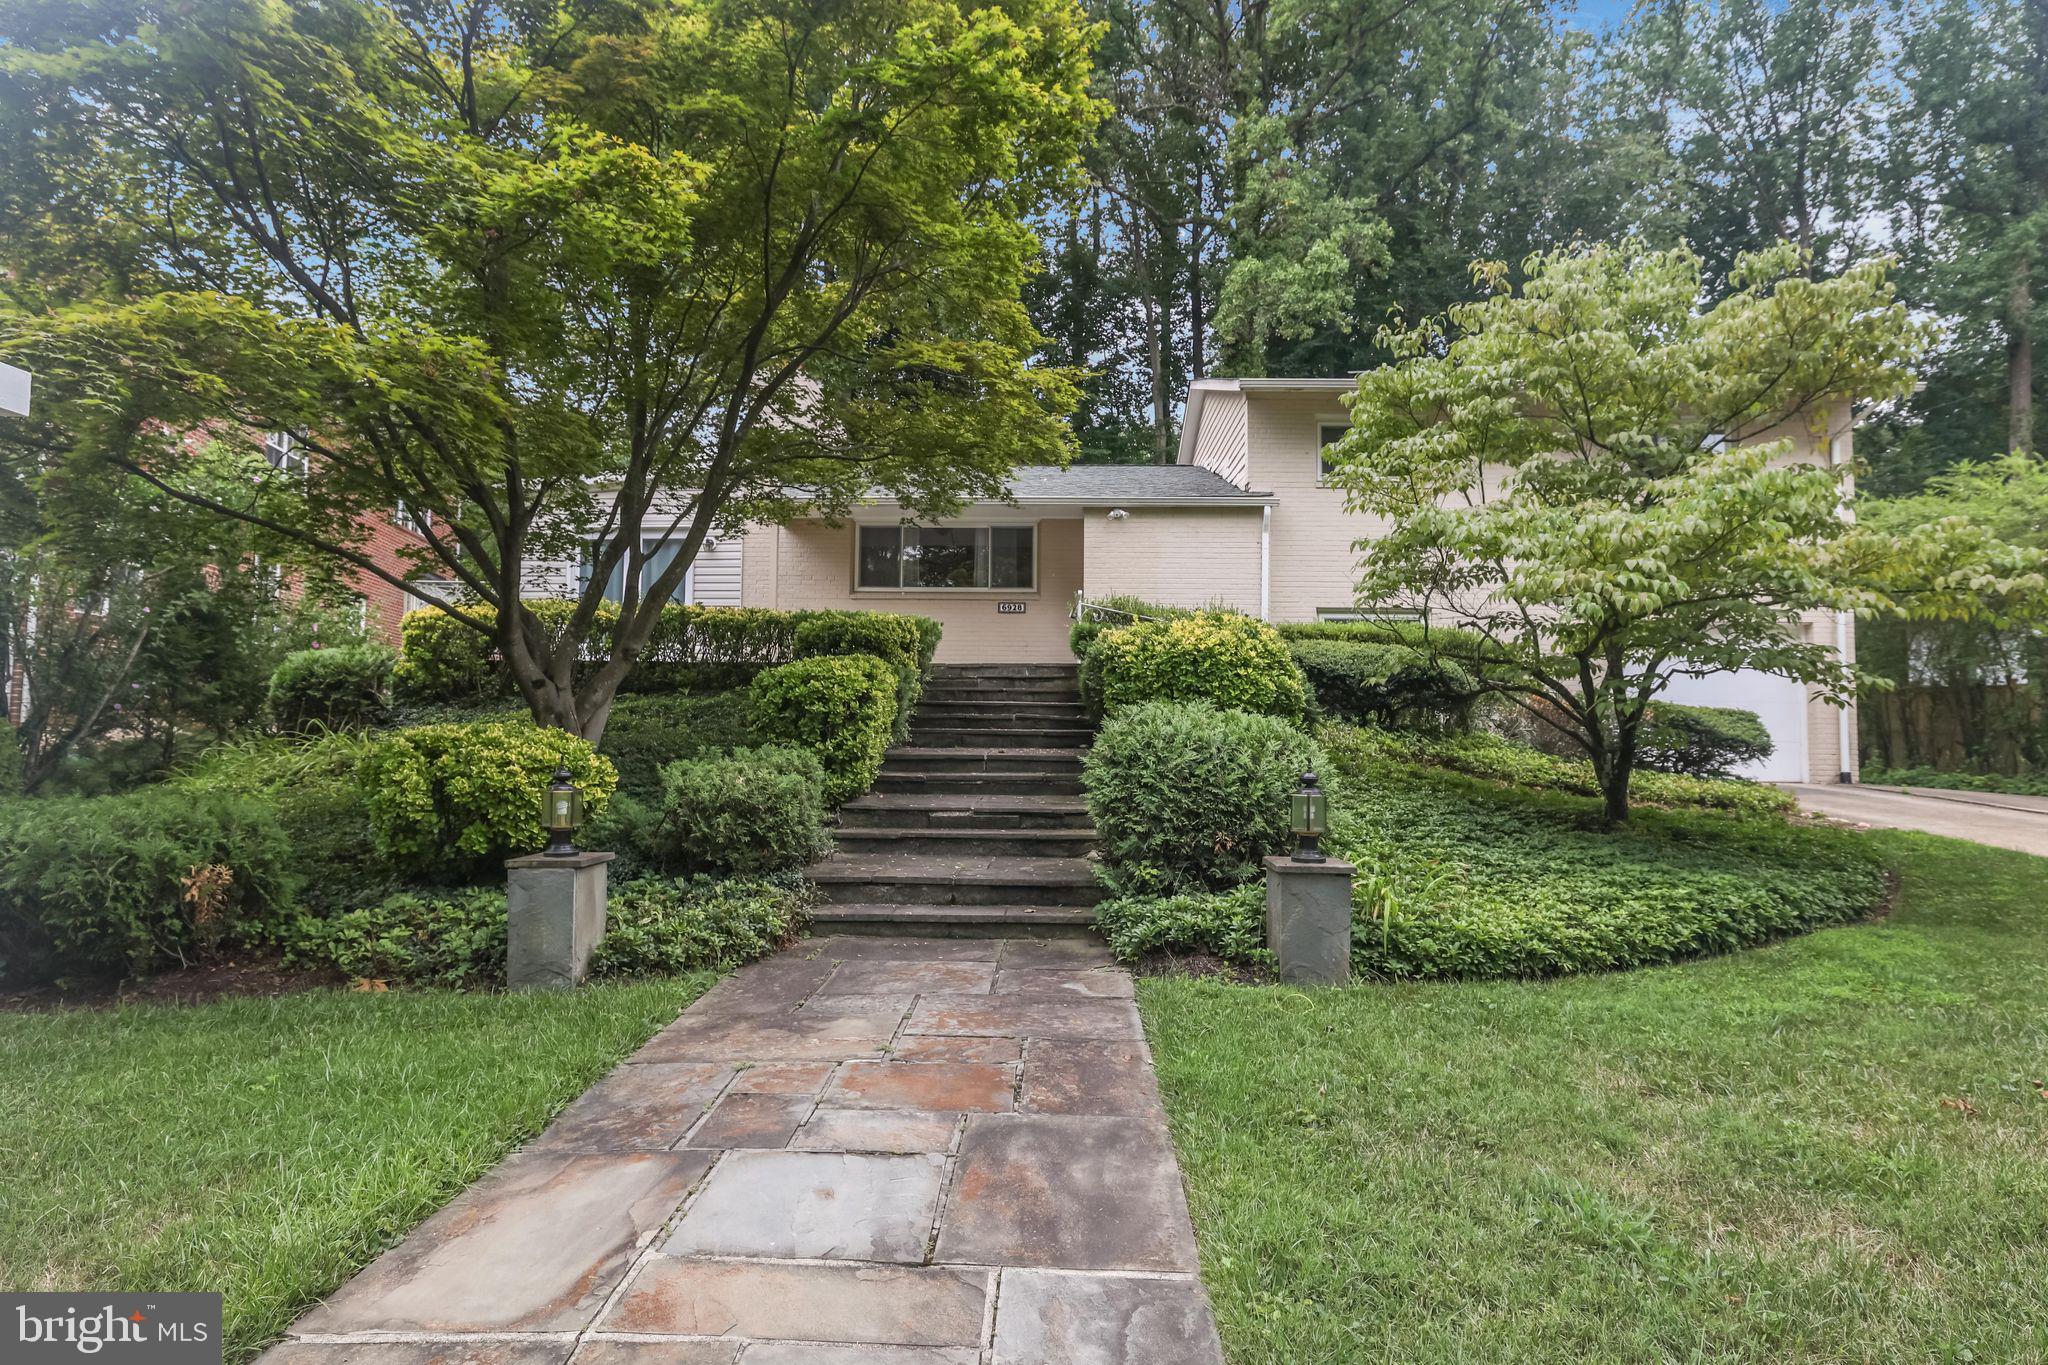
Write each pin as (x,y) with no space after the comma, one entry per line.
(1309,821)
(562,812)
(1117,514)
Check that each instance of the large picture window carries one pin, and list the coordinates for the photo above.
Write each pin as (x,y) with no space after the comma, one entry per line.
(659,556)
(947,557)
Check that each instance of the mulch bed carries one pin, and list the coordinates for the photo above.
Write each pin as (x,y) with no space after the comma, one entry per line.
(200,984)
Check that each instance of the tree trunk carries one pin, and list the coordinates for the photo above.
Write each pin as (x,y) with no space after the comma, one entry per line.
(2019,362)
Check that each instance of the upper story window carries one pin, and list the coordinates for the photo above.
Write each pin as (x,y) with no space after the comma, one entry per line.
(655,562)
(284,452)
(945,558)
(415,519)
(1327,435)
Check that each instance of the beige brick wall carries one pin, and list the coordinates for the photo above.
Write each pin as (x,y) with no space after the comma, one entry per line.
(1176,556)
(809,565)
(1313,564)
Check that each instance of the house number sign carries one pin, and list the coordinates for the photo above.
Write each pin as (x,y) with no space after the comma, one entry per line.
(1009,608)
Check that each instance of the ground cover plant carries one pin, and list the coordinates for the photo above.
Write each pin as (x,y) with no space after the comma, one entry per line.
(266,1148)
(1824,1150)
(2035,784)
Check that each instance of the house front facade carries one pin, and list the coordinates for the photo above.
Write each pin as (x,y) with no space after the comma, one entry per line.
(1246,518)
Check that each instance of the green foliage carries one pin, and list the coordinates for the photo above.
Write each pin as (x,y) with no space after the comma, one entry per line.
(2032,785)
(313,786)
(1187,797)
(442,660)
(1685,544)
(843,709)
(753,810)
(1383,684)
(1484,881)
(648,731)
(656,926)
(10,760)
(348,686)
(1222,658)
(1700,741)
(421,938)
(450,800)
(1517,765)
(898,641)
(118,885)
(1226,924)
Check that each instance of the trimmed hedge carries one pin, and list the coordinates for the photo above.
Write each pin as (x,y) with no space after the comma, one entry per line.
(450,800)
(1222,658)
(1700,741)
(343,688)
(1383,684)
(2034,784)
(1187,797)
(842,708)
(649,730)
(120,885)
(753,810)
(443,660)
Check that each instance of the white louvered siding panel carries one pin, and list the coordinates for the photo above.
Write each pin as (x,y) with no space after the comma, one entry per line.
(715,577)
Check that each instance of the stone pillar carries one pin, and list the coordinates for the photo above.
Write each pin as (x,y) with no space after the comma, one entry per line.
(1308,920)
(555,912)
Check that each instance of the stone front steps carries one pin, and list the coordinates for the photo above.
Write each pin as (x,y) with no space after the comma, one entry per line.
(976,825)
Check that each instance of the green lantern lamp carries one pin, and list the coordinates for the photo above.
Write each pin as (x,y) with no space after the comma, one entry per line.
(1309,821)
(562,813)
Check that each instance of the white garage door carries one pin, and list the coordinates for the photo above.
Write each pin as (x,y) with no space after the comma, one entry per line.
(1779,701)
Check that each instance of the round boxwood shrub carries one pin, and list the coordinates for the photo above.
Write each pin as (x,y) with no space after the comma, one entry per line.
(445,800)
(342,688)
(110,885)
(1187,797)
(843,709)
(1701,741)
(1222,658)
(753,810)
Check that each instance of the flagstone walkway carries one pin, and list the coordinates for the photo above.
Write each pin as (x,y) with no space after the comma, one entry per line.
(862,1151)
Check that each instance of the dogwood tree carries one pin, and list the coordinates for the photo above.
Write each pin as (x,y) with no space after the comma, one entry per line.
(1591,484)
(595,280)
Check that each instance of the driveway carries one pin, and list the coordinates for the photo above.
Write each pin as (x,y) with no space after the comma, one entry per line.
(2019,822)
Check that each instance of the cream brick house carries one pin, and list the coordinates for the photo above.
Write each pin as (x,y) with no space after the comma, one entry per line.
(1245,518)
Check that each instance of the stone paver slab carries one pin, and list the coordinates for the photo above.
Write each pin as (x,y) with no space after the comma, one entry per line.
(1077,1193)
(536,1247)
(657,1353)
(862,948)
(1048,1318)
(1030,1016)
(956,1087)
(901,1305)
(783,1078)
(1080,1076)
(876,1130)
(937,1049)
(884,977)
(752,1121)
(515,1352)
(825,1035)
(1105,982)
(828,1205)
(817,1353)
(1055,952)
(637,1108)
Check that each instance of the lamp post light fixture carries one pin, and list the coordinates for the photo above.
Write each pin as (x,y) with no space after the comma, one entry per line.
(1309,821)
(562,812)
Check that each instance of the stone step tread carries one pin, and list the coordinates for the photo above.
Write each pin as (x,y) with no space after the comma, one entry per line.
(993,804)
(877,912)
(947,869)
(940,751)
(868,835)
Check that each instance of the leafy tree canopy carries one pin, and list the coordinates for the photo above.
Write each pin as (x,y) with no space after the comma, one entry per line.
(591,280)
(1594,477)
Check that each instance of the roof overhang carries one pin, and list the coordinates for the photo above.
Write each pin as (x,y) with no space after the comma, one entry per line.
(1199,391)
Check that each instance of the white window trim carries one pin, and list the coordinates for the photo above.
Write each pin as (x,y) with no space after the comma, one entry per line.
(282,452)
(1036,539)
(1324,421)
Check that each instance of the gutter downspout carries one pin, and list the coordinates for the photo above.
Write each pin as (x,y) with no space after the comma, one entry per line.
(1266,562)
(1845,737)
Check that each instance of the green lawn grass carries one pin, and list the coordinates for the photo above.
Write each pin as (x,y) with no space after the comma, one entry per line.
(1833,1148)
(267,1148)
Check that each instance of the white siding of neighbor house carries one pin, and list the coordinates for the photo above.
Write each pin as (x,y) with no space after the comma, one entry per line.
(714,578)
(809,566)
(1220,444)
(1176,556)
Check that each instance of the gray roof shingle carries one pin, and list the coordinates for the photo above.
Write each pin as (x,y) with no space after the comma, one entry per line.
(1136,483)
